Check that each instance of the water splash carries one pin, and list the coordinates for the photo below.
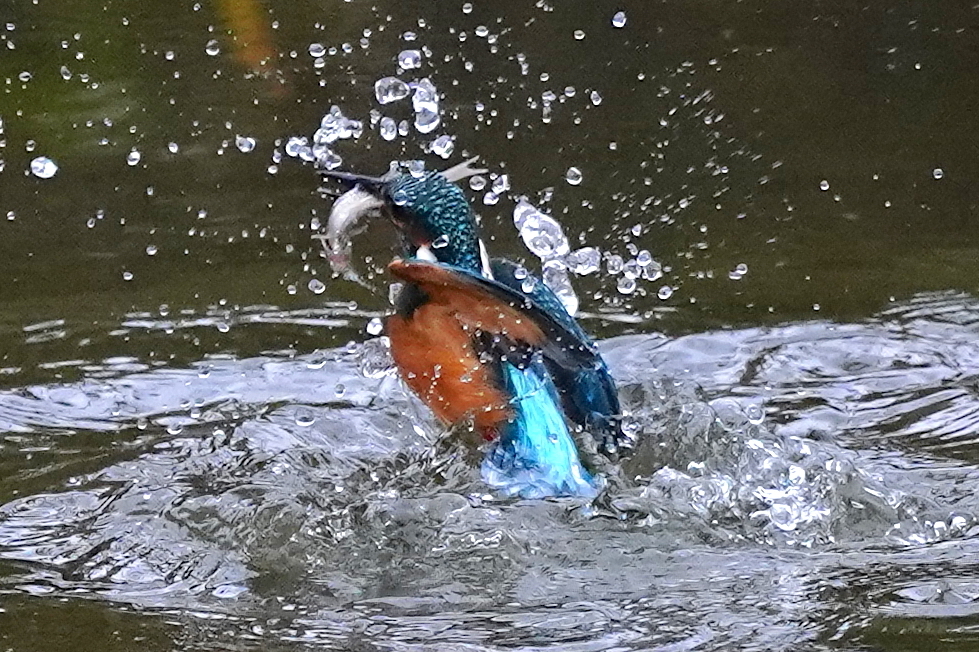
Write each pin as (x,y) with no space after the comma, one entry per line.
(390,89)
(425,102)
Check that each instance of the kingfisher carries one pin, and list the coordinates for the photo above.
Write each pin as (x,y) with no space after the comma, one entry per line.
(482,341)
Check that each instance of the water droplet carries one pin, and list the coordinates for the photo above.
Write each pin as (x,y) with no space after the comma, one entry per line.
(626,285)
(333,126)
(375,326)
(501,184)
(43,168)
(477,183)
(24,76)
(410,59)
(304,417)
(400,197)
(619,19)
(491,198)
(426,105)
(467,8)
(584,261)
(440,242)
(151,250)
(133,157)
(824,185)
(127,276)
(665,292)
(173,147)
(316,286)
(738,272)
(388,128)
(390,89)
(443,146)
(213,48)
(579,35)
(938,173)
(244,144)
(614,264)
(573,176)
(340,390)
(596,98)
(416,168)
(316,50)
(482,31)
(541,233)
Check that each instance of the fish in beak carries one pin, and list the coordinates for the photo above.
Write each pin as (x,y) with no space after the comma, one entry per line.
(348,217)
(367,198)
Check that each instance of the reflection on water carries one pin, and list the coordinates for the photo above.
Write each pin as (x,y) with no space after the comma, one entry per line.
(794,484)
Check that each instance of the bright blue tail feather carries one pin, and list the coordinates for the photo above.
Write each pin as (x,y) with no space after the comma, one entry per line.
(535,455)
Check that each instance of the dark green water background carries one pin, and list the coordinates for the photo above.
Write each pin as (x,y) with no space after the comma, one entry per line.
(729,115)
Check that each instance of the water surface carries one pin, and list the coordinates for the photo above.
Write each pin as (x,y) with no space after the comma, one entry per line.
(201,442)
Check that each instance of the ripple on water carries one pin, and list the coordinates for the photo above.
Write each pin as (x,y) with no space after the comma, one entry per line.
(762,498)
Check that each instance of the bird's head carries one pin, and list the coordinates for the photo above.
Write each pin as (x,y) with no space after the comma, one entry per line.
(431,213)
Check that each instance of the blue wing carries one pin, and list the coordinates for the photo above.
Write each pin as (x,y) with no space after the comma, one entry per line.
(587,390)
(535,455)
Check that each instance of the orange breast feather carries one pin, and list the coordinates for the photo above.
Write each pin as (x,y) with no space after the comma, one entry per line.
(433,347)
(435,356)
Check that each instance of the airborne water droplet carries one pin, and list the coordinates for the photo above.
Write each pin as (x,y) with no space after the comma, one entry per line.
(573,176)
(244,144)
(375,326)
(619,19)
(443,146)
(390,89)
(213,48)
(388,129)
(626,285)
(316,286)
(410,59)
(43,168)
